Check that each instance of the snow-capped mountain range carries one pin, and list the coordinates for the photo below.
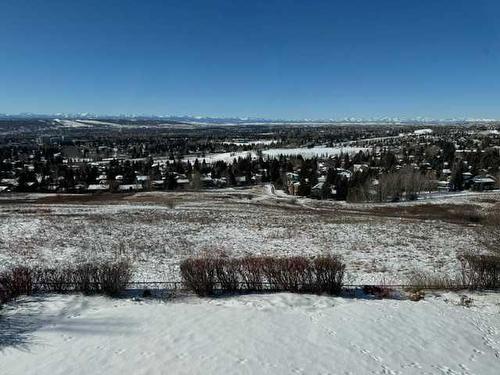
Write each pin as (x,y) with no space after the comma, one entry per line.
(241,120)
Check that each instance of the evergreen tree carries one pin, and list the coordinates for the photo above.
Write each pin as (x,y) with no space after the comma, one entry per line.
(457,179)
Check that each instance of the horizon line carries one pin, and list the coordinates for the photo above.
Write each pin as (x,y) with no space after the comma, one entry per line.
(90,115)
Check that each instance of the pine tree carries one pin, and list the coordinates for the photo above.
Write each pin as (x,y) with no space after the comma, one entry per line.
(457,179)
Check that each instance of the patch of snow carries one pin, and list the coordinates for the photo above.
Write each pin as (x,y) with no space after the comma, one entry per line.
(422,131)
(314,151)
(156,237)
(254,334)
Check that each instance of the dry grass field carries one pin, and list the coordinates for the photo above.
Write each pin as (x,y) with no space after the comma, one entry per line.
(382,243)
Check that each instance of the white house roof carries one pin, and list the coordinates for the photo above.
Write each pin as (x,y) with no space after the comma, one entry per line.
(98,187)
(484,180)
(318,186)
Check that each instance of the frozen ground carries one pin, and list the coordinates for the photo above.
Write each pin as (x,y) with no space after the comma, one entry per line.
(254,334)
(157,230)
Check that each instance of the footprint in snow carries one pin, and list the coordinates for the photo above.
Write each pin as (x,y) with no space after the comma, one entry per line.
(412,365)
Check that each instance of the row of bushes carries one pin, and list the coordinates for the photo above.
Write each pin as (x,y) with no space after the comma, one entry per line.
(480,271)
(206,275)
(90,278)
(476,272)
(323,274)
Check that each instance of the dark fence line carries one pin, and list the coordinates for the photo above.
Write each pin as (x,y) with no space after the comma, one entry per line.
(262,286)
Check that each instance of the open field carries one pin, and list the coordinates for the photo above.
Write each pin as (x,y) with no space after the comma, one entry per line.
(379,243)
(254,334)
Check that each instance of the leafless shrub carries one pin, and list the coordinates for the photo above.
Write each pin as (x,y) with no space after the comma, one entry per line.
(90,278)
(113,277)
(480,271)
(5,289)
(107,277)
(329,271)
(419,280)
(289,274)
(251,273)
(199,275)
(226,272)
(15,282)
(21,281)
(293,274)
(56,280)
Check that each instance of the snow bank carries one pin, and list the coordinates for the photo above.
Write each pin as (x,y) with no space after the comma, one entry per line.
(257,334)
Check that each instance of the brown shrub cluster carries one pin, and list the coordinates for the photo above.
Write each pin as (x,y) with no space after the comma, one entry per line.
(433,280)
(323,274)
(15,282)
(480,271)
(108,278)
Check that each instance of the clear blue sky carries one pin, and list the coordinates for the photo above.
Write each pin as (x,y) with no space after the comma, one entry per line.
(275,59)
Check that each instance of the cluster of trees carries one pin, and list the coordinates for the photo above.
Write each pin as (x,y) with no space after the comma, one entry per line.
(406,183)
(403,166)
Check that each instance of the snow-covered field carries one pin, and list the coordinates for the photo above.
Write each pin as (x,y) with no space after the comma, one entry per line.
(250,142)
(305,152)
(313,151)
(157,230)
(253,334)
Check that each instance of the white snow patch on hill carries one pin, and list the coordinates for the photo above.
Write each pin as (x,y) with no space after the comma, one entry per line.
(156,238)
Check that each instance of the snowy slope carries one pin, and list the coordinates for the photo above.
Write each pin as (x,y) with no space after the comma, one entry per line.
(156,238)
(256,334)
(156,230)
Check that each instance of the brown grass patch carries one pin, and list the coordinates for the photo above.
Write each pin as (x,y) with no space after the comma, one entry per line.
(451,213)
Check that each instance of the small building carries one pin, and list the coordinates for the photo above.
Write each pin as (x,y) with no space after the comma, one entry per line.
(443,186)
(344,173)
(158,184)
(483,183)
(220,182)
(129,187)
(207,181)
(10,182)
(468,179)
(182,183)
(241,180)
(141,179)
(318,191)
(94,188)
